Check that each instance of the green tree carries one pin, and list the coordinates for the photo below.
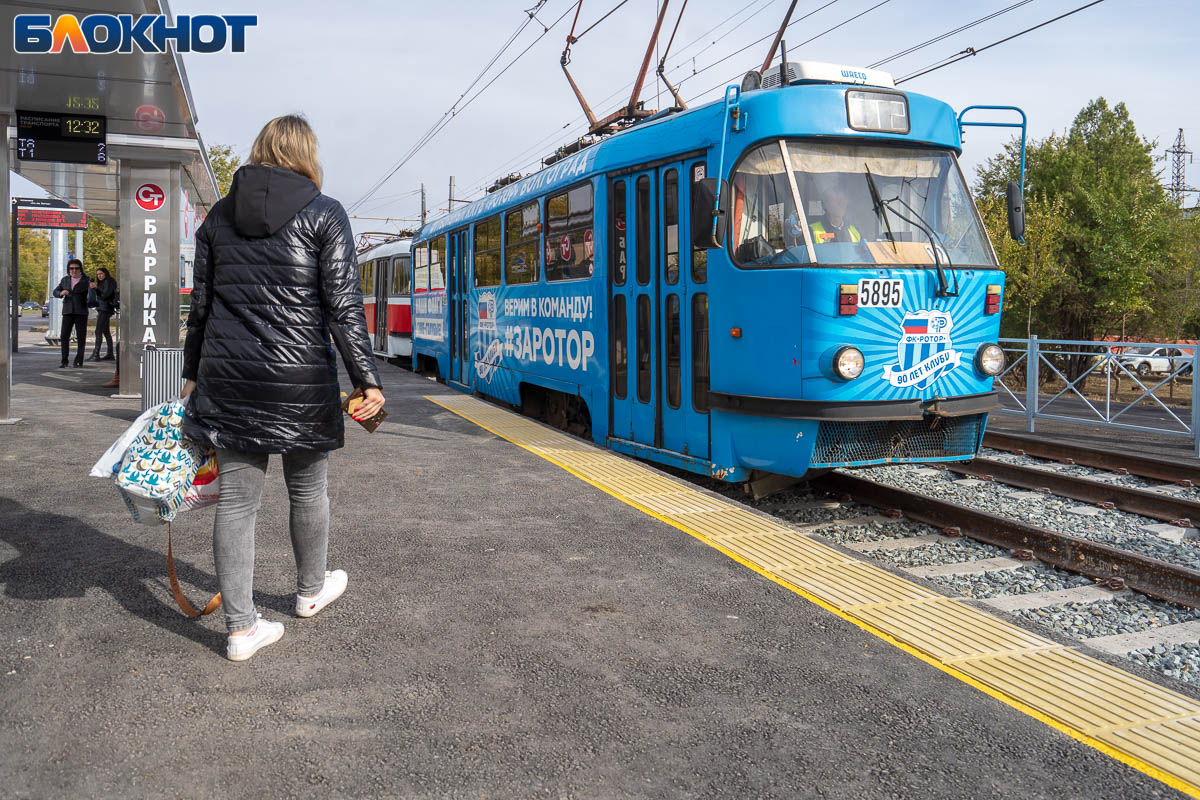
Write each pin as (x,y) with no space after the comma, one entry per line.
(100,248)
(1116,217)
(34,261)
(224,163)
(1035,270)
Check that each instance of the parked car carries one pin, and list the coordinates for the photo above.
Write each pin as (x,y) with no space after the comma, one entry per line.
(45,309)
(29,305)
(1156,360)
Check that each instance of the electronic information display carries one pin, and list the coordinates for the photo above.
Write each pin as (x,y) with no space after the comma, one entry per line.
(73,138)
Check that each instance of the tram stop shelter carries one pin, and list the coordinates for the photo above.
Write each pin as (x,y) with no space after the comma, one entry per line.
(134,160)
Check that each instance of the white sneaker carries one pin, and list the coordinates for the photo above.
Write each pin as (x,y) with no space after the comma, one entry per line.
(335,584)
(261,634)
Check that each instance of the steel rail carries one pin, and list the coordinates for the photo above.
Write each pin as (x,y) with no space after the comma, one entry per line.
(1145,466)
(1125,498)
(1098,561)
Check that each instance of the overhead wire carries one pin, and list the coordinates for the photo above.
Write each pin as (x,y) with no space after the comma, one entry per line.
(455,108)
(967,53)
(581,120)
(809,40)
(974,51)
(947,34)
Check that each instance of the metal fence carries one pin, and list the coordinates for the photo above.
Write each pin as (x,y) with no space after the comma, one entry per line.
(1114,384)
(162,368)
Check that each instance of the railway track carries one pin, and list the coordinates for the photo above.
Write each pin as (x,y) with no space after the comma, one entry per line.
(1113,567)
(1145,502)
(1160,469)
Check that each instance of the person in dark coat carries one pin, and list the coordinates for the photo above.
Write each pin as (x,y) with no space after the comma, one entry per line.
(276,277)
(73,291)
(106,293)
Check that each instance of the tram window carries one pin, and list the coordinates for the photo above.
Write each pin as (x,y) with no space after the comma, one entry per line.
(569,234)
(521,250)
(400,275)
(421,268)
(643,348)
(700,352)
(673,350)
(437,264)
(487,252)
(620,348)
(366,278)
(671,225)
(617,236)
(699,254)
(642,214)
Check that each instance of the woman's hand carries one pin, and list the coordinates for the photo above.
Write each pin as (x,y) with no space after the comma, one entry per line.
(188,386)
(371,403)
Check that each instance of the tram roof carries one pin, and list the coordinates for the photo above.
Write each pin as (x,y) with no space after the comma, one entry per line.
(145,98)
(396,247)
(810,109)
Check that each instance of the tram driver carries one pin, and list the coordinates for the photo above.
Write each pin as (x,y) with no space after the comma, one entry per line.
(832,226)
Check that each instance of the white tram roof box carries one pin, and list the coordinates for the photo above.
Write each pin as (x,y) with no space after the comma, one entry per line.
(820,72)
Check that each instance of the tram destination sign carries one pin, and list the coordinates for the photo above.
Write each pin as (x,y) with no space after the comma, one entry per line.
(37,212)
(70,138)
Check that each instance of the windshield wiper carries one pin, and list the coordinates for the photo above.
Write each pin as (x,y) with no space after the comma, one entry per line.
(880,209)
(920,224)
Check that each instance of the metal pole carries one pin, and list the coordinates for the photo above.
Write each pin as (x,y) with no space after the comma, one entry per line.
(1031,382)
(1196,401)
(422,205)
(58,268)
(778,38)
(450,202)
(16,276)
(6,327)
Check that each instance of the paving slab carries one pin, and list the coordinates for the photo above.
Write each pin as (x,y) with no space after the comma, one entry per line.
(1169,635)
(1084,511)
(979,567)
(1172,533)
(1078,594)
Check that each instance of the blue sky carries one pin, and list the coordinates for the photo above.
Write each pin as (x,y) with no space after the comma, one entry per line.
(374,75)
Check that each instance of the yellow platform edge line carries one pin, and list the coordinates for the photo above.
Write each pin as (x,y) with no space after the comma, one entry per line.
(1188,788)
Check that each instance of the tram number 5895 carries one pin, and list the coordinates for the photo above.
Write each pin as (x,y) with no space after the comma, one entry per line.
(876,293)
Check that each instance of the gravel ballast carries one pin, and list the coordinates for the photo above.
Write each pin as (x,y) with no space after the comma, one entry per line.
(1123,615)
(1024,580)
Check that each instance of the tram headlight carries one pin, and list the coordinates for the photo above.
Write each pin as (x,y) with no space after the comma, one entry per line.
(848,363)
(989,359)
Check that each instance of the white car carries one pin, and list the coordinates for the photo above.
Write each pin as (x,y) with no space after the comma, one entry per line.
(1156,360)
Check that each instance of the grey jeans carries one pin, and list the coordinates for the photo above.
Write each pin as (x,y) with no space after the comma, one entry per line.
(242,476)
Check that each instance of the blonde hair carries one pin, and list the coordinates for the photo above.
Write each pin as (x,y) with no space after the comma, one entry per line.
(288,141)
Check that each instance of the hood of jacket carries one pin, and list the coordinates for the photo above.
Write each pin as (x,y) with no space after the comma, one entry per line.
(265,198)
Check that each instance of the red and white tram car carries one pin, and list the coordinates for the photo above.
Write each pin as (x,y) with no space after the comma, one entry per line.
(385,275)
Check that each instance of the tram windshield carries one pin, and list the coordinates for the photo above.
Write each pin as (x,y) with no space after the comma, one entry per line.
(852,204)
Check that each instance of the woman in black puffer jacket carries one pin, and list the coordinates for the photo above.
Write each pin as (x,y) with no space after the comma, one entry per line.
(275,277)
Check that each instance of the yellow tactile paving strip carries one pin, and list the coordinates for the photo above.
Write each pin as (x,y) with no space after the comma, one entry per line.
(1152,729)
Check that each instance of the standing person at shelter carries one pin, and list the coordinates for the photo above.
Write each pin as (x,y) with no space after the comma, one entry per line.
(106,294)
(73,291)
(276,276)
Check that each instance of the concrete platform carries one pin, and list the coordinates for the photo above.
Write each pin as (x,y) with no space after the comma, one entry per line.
(509,631)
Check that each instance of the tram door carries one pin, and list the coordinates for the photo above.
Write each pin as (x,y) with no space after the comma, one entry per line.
(456,302)
(658,314)
(633,339)
(383,288)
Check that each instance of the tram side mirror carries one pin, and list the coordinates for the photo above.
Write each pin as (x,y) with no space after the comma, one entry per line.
(704,197)
(1016,212)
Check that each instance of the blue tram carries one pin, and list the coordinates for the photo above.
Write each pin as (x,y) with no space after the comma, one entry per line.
(784,281)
